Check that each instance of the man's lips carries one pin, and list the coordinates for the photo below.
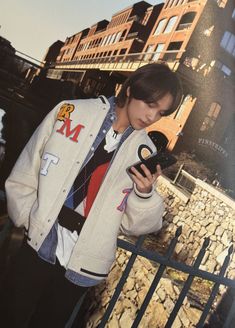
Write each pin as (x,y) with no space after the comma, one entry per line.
(143,123)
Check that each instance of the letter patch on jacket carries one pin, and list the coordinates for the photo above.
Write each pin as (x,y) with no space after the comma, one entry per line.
(65,111)
(122,206)
(49,159)
(66,129)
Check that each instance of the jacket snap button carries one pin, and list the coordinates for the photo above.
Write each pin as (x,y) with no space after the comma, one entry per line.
(79,223)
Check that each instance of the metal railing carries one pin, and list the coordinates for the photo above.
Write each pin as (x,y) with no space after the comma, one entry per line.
(164,262)
(125,61)
(184,180)
(167,261)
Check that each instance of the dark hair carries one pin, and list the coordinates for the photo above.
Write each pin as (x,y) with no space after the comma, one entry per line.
(150,83)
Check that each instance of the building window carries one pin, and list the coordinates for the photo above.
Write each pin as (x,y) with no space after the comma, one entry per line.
(169,3)
(160,26)
(225,69)
(149,52)
(118,37)
(123,35)
(228,42)
(186,21)
(158,51)
(211,117)
(146,18)
(172,55)
(170,24)
(123,51)
(233,14)
(187,100)
(112,38)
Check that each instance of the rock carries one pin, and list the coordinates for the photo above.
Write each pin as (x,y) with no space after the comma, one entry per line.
(213,238)
(219,231)
(183,317)
(144,321)
(159,317)
(141,295)
(178,248)
(129,304)
(211,264)
(132,294)
(162,295)
(129,285)
(218,250)
(202,232)
(113,322)
(168,287)
(169,305)
(126,319)
(225,239)
(221,257)
(176,219)
(177,323)
(221,213)
(193,315)
(121,259)
(205,257)
(212,246)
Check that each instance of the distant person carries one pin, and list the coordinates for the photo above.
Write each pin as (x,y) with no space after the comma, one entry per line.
(70,191)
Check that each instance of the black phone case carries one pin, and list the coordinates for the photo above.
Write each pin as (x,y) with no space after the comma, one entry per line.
(164,159)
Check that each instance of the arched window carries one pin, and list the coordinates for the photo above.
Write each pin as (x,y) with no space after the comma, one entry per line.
(211,117)
(186,20)
(170,24)
(160,26)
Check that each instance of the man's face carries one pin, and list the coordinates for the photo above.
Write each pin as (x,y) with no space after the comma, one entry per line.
(141,114)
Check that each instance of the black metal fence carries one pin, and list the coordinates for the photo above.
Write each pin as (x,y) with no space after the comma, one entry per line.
(164,262)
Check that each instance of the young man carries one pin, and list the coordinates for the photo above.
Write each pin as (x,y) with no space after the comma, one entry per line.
(70,190)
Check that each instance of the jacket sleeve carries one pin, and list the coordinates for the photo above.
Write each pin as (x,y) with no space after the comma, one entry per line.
(21,185)
(142,215)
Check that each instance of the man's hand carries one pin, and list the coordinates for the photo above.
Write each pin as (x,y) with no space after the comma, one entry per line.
(145,184)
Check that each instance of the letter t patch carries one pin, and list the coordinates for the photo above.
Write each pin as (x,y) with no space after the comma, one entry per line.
(50,159)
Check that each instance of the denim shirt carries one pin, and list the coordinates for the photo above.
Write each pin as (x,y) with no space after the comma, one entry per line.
(48,248)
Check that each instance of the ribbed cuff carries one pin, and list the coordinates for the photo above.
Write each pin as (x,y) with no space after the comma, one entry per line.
(141,194)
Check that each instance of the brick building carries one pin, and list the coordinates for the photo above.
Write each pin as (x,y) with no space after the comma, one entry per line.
(125,34)
(206,43)
(195,38)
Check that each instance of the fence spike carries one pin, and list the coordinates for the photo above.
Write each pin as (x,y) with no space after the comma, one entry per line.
(230,250)
(206,242)
(178,231)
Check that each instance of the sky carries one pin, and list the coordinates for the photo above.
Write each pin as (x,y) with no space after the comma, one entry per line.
(33,25)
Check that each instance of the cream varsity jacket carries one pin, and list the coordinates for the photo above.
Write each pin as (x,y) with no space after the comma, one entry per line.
(46,169)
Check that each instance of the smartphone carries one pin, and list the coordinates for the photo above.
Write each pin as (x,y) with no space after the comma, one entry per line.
(164,159)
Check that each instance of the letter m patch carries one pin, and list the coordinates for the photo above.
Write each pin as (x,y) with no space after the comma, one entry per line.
(68,132)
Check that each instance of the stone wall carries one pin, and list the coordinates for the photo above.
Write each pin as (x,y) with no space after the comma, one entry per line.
(206,213)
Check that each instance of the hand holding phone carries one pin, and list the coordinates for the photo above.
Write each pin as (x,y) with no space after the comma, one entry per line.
(164,159)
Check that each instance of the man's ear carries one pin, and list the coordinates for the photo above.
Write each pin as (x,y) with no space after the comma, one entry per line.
(128,92)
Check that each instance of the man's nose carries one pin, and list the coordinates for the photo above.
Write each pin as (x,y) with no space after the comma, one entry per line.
(152,115)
